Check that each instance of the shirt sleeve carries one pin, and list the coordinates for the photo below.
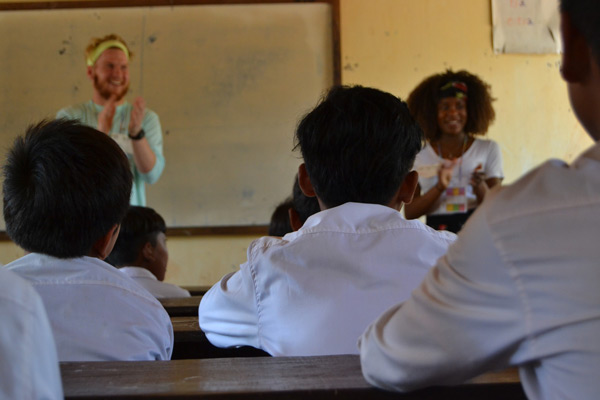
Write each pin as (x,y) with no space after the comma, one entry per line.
(228,312)
(493,161)
(466,317)
(151,126)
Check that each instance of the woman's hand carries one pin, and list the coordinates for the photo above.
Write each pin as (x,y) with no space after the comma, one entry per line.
(445,174)
(478,181)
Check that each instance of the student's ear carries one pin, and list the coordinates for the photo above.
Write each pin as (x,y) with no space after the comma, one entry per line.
(295,222)
(304,182)
(103,246)
(148,252)
(407,189)
(576,52)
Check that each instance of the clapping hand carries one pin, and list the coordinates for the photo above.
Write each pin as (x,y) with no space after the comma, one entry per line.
(137,116)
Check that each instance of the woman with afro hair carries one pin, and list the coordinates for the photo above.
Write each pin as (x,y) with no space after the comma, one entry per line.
(456,169)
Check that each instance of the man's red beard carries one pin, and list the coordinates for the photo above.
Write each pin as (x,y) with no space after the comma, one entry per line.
(106,93)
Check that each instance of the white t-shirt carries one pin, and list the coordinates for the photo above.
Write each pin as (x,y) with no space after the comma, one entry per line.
(482,152)
(158,289)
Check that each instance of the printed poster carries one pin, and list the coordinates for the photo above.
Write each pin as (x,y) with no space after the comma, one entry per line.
(526,26)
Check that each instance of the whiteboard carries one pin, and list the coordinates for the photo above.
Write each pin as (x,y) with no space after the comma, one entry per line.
(228,82)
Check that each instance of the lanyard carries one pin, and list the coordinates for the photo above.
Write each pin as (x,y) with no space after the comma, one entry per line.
(461,157)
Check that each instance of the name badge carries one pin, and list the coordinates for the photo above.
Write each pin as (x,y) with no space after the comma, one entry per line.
(456,200)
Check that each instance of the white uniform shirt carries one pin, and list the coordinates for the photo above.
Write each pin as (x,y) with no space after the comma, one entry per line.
(28,362)
(314,291)
(148,281)
(482,152)
(521,286)
(97,313)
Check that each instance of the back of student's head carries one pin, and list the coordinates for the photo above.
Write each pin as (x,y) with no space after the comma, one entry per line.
(358,144)
(585,15)
(305,206)
(65,186)
(280,220)
(141,225)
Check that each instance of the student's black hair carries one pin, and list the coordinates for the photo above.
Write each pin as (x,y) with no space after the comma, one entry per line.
(305,206)
(358,144)
(585,16)
(140,226)
(423,103)
(280,220)
(65,186)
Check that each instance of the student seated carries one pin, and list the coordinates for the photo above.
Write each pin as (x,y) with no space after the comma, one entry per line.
(66,190)
(28,361)
(141,252)
(303,206)
(280,219)
(315,290)
(520,285)
(290,215)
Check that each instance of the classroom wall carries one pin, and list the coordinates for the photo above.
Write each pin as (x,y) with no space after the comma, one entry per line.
(393,45)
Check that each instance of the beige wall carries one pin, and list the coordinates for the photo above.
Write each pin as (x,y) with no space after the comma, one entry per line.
(393,45)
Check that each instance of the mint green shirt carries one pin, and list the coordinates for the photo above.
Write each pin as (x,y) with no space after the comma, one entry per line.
(87,113)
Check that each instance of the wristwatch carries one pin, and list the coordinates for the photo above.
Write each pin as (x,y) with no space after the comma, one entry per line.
(139,136)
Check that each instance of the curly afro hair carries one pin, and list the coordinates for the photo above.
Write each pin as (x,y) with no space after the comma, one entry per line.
(423,101)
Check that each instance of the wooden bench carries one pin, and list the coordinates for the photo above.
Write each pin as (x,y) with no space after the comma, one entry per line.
(190,343)
(182,307)
(322,377)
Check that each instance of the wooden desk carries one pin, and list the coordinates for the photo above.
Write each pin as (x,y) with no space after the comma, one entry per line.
(197,290)
(187,329)
(182,307)
(249,378)
(191,343)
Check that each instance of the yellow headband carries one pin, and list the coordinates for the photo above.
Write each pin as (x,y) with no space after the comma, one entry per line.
(91,60)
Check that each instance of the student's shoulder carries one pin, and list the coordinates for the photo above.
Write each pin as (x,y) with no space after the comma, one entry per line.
(548,188)
(418,228)
(266,243)
(17,292)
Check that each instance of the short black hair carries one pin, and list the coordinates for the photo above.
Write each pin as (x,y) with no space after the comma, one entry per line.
(585,15)
(65,186)
(280,219)
(305,206)
(358,144)
(140,226)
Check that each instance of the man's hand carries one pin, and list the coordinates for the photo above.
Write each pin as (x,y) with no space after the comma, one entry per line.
(105,118)
(137,116)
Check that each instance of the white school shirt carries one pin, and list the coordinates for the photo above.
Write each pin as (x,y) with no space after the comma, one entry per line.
(97,313)
(148,281)
(28,363)
(482,152)
(314,291)
(520,287)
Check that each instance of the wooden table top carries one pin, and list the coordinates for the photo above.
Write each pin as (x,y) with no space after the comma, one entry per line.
(247,378)
(182,307)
